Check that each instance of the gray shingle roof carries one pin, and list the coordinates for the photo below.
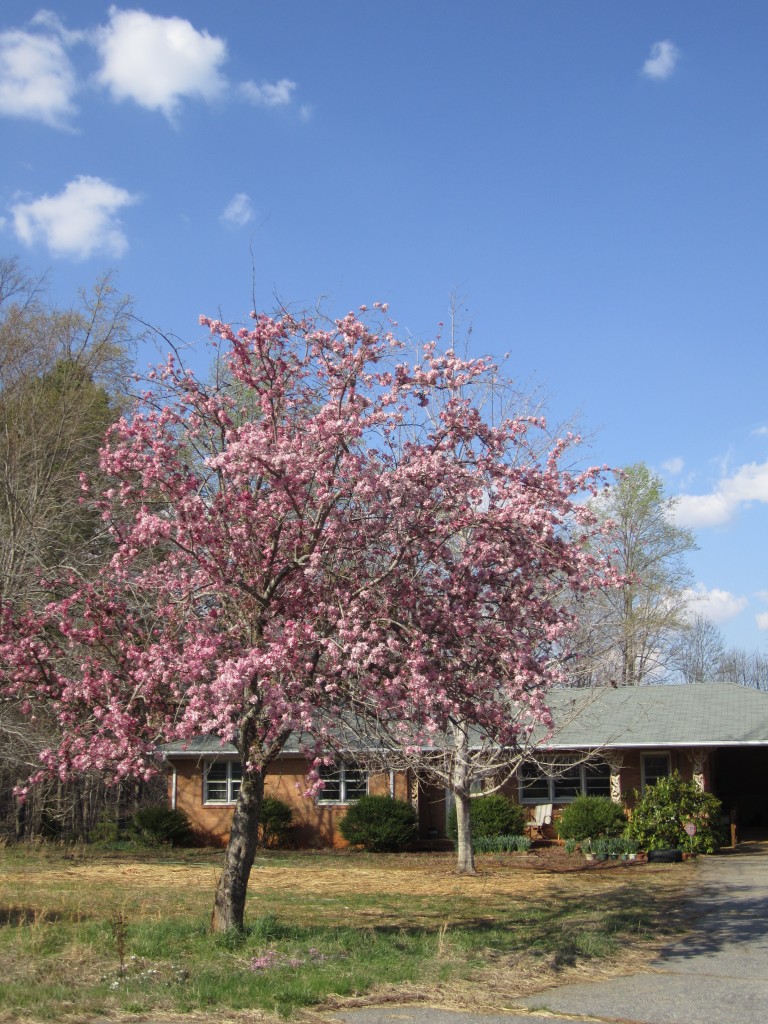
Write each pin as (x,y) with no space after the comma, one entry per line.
(708,714)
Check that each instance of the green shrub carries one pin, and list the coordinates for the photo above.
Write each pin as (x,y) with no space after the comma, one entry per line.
(275,822)
(105,832)
(379,823)
(491,815)
(590,816)
(659,818)
(157,824)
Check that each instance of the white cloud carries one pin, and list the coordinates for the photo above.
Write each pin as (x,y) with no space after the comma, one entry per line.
(760,432)
(269,94)
(762,620)
(697,510)
(37,80)
(749,483)
(717,605)
(238,211)
(78,222)
(156,62)
(662,61)
(673,466)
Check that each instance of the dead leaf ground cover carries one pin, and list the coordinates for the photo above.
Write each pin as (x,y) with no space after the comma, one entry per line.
(322,928)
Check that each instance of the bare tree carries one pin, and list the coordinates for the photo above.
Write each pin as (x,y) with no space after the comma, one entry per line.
(697,652)
(748,668)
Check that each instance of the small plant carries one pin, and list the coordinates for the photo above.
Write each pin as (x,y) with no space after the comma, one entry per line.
(571,846)
(275,823)
(155,825)
(491,815)
(590,816)
(379,824)
(501,844)
(119,928)
(659,818)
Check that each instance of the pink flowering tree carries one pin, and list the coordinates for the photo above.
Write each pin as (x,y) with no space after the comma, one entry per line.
(319,532)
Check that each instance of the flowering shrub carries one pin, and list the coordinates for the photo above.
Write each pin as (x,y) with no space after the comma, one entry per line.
(658,820)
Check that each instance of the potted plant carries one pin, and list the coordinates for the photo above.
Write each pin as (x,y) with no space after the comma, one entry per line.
(615,847)
(630,846)
(600,848)
(586,849)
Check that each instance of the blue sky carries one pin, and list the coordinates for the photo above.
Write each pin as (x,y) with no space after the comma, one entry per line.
(589,177)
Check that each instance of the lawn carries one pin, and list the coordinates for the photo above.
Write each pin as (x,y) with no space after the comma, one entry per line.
(89,934)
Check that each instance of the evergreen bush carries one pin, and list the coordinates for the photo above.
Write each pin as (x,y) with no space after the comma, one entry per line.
(156,824)
(590,816)
(275,823)
(491,815)
(379,823)
(659,818)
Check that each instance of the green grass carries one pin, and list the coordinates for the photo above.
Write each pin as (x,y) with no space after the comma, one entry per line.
(87,933)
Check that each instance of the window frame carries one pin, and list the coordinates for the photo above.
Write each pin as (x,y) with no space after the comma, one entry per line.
(350,777)
(233,776)
(553,782)
(647,754)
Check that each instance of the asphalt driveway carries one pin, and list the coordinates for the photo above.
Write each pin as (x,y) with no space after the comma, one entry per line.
(717,974)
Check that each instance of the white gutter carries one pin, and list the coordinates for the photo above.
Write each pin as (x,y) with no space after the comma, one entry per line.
(174,777)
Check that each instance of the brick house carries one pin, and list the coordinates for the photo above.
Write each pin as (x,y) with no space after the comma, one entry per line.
(608,742)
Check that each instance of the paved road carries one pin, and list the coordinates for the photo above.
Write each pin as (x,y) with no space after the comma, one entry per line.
(715,976)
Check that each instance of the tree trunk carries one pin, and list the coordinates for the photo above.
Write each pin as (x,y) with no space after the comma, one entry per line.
(229,904)
(465,858)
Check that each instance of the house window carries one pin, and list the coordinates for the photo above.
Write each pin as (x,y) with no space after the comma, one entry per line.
(534,785)
(655,767)
(221,783)
(597,779)
(563,782)
(567,783)
(342,783)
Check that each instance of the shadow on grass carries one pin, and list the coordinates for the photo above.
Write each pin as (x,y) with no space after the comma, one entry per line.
(18,916)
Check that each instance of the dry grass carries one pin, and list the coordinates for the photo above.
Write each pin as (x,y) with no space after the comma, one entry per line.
(482,921)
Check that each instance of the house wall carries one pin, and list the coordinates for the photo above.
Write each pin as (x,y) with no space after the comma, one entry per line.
(315,824)
(433,807)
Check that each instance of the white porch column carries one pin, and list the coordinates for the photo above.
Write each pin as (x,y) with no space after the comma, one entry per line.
(698,759)
(615,762)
